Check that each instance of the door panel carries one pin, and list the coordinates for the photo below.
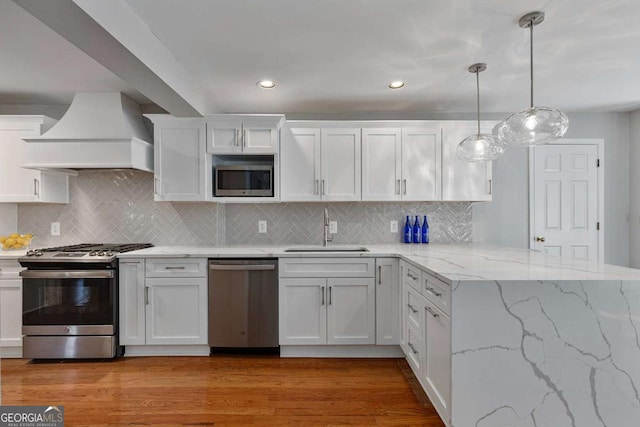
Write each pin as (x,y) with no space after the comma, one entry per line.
(341,164)
(350,311)
(303,311)
(381,164)
(421,164)
(300,165)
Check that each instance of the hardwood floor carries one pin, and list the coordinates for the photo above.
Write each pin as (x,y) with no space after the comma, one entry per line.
(221,391)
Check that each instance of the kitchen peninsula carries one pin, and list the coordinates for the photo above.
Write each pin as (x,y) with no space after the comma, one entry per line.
(534,340)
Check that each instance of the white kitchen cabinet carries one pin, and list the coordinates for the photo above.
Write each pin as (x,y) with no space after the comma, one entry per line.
(179,159)
(18,184)
(401,164)
(462,180)
(387,302)
(326,301)
(167,305)
(10,309)
(321,164)
(436,369)
(233,134)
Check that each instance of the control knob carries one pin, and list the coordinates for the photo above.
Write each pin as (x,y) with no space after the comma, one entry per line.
(101,253)
(30,252)
(38,252)
(92,253)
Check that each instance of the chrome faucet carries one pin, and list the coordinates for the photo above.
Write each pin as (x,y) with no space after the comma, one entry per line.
(327,236)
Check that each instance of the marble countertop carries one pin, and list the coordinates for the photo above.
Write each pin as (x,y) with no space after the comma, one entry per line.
(9,255)
(452,263)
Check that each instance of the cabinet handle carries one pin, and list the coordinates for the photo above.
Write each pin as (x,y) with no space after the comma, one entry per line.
(430,311)
(244,137)
(330,295)
(316,186)
(379,275)
(146,295)
(411,276)
(236,142)
(404,181)
(36,187)
(155,185)
(175,268)
(433,291)
(323,193)
(322,290)
(490,186)
(412,308)
(412,348)
(397,186)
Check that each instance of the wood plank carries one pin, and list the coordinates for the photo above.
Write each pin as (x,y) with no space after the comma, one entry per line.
(222,390)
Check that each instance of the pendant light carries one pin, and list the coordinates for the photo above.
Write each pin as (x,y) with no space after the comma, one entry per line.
(535,125)
(479,147)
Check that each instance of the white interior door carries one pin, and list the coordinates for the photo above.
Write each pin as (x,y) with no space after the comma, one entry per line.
(565,200)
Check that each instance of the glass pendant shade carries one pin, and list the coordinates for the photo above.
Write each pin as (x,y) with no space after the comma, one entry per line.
(533,126)
(479,147)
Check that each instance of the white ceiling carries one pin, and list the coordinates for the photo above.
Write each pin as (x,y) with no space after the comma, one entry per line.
(336,56)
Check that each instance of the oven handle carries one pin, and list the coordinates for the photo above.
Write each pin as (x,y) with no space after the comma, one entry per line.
(76,274)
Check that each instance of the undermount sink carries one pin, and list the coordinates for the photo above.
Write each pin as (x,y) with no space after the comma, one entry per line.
(327,249)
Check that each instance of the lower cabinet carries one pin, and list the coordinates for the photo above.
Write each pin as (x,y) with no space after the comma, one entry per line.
(426,334)
(10,309)
(387,302)
(319,307)
(167,305)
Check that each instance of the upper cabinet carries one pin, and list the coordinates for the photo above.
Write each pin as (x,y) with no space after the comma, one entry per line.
(18,185)
(462,180)
(235,134)
(401,164)
(320,164)
(179,158)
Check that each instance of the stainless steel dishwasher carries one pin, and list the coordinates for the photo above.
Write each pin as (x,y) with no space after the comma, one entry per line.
(243,304)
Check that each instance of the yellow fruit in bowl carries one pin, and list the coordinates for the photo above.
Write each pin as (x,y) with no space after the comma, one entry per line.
(2,239)
(15,241)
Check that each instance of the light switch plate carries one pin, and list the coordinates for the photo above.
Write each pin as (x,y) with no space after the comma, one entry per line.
(393,226)
(55,228)
(333,227)
(262,226)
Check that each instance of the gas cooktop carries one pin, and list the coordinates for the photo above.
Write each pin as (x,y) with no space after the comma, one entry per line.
(84,252)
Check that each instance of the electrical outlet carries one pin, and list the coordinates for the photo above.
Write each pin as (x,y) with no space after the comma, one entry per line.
(333,227)
(393,226)
(262,226)
(55,228)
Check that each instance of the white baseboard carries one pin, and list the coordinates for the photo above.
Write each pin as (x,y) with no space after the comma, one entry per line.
(11,352)
(366,351)
(166,350)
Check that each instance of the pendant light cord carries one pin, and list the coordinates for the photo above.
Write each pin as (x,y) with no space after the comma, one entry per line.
(531,25)
(478,97)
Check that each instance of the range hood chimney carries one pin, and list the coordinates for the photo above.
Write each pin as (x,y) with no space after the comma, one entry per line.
(100,130)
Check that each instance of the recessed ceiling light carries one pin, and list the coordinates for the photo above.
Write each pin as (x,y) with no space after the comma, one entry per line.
(396,85)
(266,84)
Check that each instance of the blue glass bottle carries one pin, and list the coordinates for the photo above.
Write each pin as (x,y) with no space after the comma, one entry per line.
(425,230)
(407,231)
(416,231)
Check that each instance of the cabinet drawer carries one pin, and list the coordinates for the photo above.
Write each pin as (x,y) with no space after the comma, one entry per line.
(415,347)
(326,267)
(436,291)
(412,277)
(176,267)
(414,309)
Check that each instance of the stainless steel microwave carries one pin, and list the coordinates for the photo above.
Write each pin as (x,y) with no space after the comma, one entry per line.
(243,181)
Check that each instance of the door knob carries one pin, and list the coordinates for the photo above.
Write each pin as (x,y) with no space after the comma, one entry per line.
(540,239)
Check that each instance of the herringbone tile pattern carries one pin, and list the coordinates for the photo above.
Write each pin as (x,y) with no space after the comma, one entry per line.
(116,206)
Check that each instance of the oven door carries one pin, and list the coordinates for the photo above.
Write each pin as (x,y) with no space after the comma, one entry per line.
(243,181)
(56,302)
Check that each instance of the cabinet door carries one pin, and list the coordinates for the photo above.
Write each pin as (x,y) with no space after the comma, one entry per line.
(436,373)
(462,180)
(224,136)
(177,311)
(259,136)
(10,313)
(300,165)
(341,165)
(132,309)
(421,164)
(387,302)
(180,160)
(303,311)
(26,185)
(350,311)
(381,164)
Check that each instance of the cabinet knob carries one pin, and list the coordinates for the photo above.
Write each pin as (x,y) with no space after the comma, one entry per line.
(540,239)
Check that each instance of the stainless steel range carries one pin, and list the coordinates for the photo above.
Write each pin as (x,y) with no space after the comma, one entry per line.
(70,301)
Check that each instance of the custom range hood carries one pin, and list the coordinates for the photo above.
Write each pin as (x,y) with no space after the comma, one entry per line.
(100,130)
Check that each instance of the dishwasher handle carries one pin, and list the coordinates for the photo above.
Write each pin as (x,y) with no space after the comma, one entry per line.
(242,267)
